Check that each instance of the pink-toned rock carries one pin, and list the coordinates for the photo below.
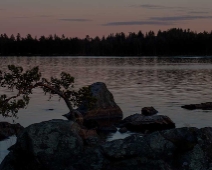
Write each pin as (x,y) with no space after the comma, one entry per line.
(105,112)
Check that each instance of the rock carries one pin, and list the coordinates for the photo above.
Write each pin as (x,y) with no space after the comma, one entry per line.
(87,133)
(204,139)
(123,130)
(128,119)
(148,111)
(203,106)
(7,130)
(3,136)
(107,129)
(92,141)
(140,123)
(49,145)
(92,159)
(184,138)
(56,144)
(90,137)
(76,116)
(135,152)
(105,112)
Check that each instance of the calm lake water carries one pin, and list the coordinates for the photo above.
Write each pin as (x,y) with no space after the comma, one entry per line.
(164,83)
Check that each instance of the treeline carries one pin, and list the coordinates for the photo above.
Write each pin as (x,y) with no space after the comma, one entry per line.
(163,43)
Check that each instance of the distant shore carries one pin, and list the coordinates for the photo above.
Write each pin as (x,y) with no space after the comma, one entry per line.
(173,42)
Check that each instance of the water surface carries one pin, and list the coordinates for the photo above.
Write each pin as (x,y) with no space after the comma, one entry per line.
(164,83)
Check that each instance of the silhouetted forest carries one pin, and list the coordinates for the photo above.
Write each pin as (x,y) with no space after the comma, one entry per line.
(172,42)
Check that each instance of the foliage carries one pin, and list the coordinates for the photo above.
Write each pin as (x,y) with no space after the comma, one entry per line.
(22,84)
(172,42)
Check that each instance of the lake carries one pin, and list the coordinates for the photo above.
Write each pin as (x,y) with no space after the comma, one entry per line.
(164,83)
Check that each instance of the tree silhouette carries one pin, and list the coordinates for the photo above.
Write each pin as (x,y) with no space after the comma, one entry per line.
(23,83)
(172,42)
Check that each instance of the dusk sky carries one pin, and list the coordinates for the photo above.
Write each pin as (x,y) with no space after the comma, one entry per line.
(78,18)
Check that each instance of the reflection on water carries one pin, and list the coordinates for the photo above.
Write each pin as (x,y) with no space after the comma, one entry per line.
(165,83)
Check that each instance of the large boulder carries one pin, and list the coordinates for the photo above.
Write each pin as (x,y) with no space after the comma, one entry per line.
(7,130)
(174,149)
(50,145)
(56,145)
(105,111)
(141,123)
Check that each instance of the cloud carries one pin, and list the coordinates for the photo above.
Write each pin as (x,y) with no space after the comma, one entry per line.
(28,17)
(150,6)
(137,23)
(198,12)
(180,18)
(75,20)
(21,17)
(172,20)
(44,16)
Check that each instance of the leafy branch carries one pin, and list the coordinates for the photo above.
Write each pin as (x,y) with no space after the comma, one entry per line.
(24,83)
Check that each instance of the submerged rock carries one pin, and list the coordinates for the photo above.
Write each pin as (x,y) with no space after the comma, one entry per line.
(7,130)
(57,145)
(203,106)
(141,123)
(107,129)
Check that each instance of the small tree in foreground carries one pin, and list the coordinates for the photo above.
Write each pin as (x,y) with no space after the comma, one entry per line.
(22,84)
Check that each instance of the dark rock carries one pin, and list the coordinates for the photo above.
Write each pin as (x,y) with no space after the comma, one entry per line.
(48,145)
(140,123)
(123,130)
(87,133)
(184,138)
(92,141)
(56,145)
(135,152)
(107,129)
(203,106)
(128,119)
(91,123)
(7,130)
(105,112)
(204,138)
(148,111)
(92,159)
(3,137)
(50,109)
(76,115)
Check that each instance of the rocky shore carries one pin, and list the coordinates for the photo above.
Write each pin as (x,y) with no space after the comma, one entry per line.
(59,145)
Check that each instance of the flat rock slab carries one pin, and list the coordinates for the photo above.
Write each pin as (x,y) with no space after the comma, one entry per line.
(141,123)
(203,106)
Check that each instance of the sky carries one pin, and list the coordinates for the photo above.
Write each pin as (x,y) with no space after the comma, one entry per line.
(78,18)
